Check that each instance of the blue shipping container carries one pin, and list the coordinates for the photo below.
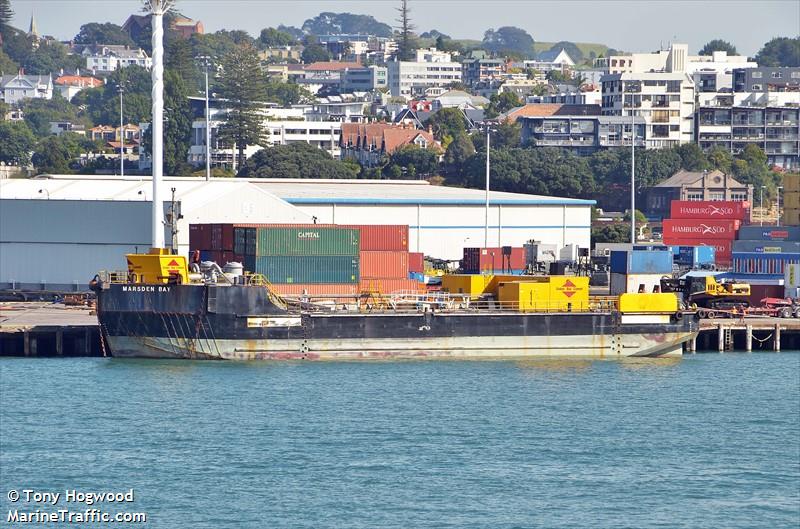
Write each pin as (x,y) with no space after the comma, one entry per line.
(641,262)
(695,256)
(763,263)
(769,233)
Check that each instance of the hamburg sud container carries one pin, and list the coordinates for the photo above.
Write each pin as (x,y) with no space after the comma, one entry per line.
(493,259)
(699,229)
(769,233)
(709,210)
(641,262)
(392,265)
(308,268)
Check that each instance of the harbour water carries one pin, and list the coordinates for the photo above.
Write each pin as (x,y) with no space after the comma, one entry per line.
(705,441)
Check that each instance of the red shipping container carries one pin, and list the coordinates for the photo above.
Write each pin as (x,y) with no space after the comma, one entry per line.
(416,262)
(709,210)
(380,237)
(200,237)
(700,229)
(723,247)
(492,259)
(393,265)
(387,286)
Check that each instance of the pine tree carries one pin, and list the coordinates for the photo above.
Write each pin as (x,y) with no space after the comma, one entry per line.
(407,44)
(243,85)
(6,14)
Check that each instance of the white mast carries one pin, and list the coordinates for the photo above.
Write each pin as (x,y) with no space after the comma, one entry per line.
(157,10)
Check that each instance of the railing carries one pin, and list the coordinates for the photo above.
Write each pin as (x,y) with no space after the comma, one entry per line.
(113,276)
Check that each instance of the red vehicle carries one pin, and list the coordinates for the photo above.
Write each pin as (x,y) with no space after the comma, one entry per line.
(780,307)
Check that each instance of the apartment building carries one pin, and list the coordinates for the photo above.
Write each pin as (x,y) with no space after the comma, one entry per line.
(109,58)
(478,67)
(580,133)
(364,79)
(674,58)
(432,69)
(284,125)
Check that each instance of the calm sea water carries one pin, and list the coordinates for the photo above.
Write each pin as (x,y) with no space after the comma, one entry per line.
(707,441)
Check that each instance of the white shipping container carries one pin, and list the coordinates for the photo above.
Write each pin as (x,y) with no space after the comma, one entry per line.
(792,276)
(624,283)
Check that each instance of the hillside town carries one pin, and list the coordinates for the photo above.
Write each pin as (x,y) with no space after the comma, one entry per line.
(381,102)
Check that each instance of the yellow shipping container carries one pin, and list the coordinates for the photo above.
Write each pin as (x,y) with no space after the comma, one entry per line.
(525,295)
(664,302)
(791,183)
(791,217)
(791,200)
(553,294)
(495,281)
(473,285)
(569,293)
(158,266)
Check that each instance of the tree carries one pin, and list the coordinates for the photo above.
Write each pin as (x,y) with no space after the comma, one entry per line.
(51,57)
(56,154)
(179,58)
(718,45)
(315,53)
(6,15)
(780,51)
(103,33)
(7,66)
(502,102)
(612,233)
(101,105)
(508,39)
(407,41)
(571,48)
(458,152)
(692,157)
(17,45)
(447,122)
(16,143)
(507,134)
(296,160)
(243,85)
(40,112)
(287,94)
(328,23)
(274,38)
(416,160)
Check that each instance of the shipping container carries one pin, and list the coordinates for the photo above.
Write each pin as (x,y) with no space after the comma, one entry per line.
(699,229)
(649,302)
(622,283)
(200,237)
(538,252)
(694,256)
(479,260)
(551,293)
(387,286)
(791,200)
(393,265)
(791,217)
(316,289)
(318,241)
(762,263)
(244,240)
(641,262)
(381,237)
(791,182)
(769,233)
(473,285)
(416,262)
(766,246)
(722,247)
(709,210)
(308,268)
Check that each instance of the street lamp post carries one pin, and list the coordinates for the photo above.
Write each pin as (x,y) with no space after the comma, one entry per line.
(761,207)
(780,188)
(486,225)
(206,62)
(633,175)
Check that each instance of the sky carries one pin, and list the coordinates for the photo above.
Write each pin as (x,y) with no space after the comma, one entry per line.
(630,25)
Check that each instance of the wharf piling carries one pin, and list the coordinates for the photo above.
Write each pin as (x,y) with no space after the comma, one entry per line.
(46,329)
(749,334)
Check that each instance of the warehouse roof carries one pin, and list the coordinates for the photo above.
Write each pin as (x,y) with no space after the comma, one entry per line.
(294,191)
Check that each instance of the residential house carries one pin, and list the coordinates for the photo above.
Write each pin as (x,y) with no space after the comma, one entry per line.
(186,27)
(458,99)
(108,58)
(283,53)
(60,127)
(70,85)
(695,185)
(15,88)
(137,26)
(369,142)
(551,60)
(324,75)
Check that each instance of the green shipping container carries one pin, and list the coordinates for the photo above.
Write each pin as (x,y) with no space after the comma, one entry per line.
(307,241)
(286,269)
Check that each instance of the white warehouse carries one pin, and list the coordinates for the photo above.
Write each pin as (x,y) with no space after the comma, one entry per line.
(57,231)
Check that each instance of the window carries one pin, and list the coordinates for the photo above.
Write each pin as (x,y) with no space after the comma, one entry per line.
(755,87)
(738,196)
(757,75)
(694,195)
(795,75)
(777,75)
(716,195)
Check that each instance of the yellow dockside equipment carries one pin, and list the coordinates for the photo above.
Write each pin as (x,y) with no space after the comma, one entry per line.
(472,285)
(639,303)
(551,293)
(157,266)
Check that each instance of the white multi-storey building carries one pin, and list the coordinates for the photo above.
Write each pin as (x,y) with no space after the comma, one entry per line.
(285,126)
(109,58)
(676,58)
(432,69)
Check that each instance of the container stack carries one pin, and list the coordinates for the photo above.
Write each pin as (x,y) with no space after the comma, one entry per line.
(766,250)
(416,266)
(791,200)
(706,223)
(313,259)
(635,269)
(507,259)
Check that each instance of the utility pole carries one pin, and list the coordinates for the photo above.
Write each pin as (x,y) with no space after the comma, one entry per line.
(633,174)
(206,62)
(121,89)
(486,227)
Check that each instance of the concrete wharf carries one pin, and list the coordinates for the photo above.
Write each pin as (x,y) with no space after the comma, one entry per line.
(41,329)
